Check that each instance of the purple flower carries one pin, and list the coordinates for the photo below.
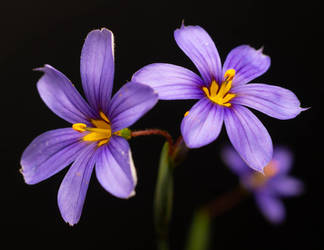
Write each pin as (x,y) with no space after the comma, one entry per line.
(95,137)
(223,95)
(269,187)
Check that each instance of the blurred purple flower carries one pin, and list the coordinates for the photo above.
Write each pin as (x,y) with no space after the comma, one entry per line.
(269,187)
(222,94)
(95,137)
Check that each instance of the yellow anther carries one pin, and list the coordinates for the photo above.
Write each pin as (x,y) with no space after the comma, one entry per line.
(206,91)
(222,91)
(80,127)
(213,88)
(228,97)
(100,124)
(229,75)
(104,117)
(226,104)
(220,94)
(97,130)
(102,142)
(101,130)
(95,136)
(227,86)
(186,113)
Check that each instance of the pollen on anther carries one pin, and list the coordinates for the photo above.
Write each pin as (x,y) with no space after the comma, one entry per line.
(80,127)
(103,116)
(102,142)
(229,74)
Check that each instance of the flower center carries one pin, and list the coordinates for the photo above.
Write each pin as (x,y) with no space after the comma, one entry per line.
(221,95)
(101,130)
(258,180)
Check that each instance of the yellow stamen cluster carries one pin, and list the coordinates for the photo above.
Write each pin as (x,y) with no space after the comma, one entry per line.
(101,131)
(257,180)
(221,95)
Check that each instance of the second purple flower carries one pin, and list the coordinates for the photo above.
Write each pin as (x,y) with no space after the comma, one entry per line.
(223,95)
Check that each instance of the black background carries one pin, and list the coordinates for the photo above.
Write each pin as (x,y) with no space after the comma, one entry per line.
(37,32)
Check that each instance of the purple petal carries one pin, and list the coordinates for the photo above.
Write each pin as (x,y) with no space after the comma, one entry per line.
(286,186)
(97,68)
(200,48)
(61,96)
(234,161)
(272,100)
(130,103)
(284,159)
(271,207)
(115,168)
(203,123)
(49,153)
(248,136)
(74,186)
(248,63)
(171,82)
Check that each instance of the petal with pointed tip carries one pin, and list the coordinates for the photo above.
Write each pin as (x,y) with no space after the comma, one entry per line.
(61,96)
(272,100)
(200,48)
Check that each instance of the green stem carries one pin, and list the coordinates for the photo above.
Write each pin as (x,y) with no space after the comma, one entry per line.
(163,243)
(172,155)
(163,199)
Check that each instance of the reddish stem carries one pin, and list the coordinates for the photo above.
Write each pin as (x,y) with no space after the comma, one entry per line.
(226,201)
(178,141)
(164,133)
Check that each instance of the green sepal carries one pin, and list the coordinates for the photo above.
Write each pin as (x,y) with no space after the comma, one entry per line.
(125,133)
(163,193)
